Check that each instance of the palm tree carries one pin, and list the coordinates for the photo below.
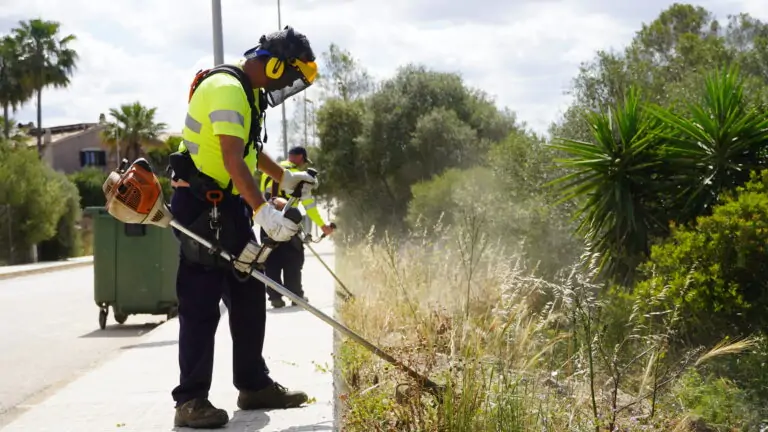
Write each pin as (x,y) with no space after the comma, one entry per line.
(716,144)
(13,94)
(617,180)
(133,128)
(47,58)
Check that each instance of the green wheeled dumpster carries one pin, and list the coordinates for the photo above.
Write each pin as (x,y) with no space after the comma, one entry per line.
(134,268)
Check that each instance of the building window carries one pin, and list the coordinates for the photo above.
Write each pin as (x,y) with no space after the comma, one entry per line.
(93,157)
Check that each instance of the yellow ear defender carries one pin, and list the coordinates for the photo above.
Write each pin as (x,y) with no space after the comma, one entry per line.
(275,68)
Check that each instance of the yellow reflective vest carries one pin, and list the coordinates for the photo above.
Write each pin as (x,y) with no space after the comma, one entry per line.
(218,107)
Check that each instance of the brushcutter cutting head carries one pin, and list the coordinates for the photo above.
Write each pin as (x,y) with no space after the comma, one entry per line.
(134,195)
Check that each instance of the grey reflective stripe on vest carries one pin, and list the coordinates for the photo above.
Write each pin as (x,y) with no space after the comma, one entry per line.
(193,125)
(310,206)
(227,116)
(193,148)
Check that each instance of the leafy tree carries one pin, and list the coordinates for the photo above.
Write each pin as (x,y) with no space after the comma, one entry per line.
(132,129)
(34,195)
(345,78)
(340,124)
(666,59)
(415,126)
(46,58)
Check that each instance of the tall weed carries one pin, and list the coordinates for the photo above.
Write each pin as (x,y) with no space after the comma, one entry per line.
(516,352)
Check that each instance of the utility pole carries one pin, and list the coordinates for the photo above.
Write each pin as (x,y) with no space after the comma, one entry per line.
(306,139)
(285,122)
(218,37)
(307,113)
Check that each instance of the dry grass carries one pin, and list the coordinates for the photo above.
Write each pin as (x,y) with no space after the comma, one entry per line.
(518,353)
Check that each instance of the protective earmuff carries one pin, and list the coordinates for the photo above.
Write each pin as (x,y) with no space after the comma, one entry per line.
(275,68)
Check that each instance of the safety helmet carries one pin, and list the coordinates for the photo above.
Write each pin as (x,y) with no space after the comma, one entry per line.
(291,61)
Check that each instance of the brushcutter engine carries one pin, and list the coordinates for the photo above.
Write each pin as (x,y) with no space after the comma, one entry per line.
(134,195)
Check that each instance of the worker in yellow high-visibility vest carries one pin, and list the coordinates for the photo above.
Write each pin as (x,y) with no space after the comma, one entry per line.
(221,149)
(286,262)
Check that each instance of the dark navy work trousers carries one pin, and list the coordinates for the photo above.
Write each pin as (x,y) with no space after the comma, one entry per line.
(199,290)
(284,266)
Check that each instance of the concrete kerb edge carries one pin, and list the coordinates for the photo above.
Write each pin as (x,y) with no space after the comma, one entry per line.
(339,387)
(46,269)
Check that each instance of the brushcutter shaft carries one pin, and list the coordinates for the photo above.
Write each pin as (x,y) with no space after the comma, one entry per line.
(424,381)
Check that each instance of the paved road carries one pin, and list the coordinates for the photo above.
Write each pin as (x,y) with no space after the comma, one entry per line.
(49,335)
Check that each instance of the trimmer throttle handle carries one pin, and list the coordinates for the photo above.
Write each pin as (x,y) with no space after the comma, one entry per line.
(294,215)
(297,192)
(332,225)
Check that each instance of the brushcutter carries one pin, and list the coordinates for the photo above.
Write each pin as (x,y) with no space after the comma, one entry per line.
(134,195)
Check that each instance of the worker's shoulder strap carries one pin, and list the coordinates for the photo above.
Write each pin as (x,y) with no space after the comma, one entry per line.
(235,71)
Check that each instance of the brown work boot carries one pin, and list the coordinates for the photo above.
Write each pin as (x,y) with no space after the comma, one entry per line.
(200,414)
(273,396)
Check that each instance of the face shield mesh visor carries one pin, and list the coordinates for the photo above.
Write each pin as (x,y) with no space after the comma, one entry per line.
(276,97)
(302,75)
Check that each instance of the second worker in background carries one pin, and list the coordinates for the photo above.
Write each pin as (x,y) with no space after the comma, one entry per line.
(287,259)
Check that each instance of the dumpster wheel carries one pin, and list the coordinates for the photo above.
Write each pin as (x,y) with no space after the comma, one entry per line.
(120,317)
(103,318)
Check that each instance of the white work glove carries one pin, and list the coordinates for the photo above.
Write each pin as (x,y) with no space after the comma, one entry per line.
(291,180)
(278,227)
(247,257)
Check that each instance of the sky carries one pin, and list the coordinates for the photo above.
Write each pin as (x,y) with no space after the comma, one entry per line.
(524,53)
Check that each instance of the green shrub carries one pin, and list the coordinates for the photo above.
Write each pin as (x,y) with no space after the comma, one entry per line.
(718,402)
(67,241)
(449,194)
(165,183)
(89,182)
(714,275)
(158,156)
(32,200)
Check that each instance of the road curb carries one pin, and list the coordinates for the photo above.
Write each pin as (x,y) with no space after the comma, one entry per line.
(46,269)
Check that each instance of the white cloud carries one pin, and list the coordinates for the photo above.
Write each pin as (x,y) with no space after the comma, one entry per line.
(523,53)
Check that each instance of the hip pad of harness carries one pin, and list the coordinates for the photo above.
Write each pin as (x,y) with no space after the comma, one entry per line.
(235,231)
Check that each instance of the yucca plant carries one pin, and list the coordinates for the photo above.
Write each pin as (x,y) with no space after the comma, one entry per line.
(714,144)
(616,179)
